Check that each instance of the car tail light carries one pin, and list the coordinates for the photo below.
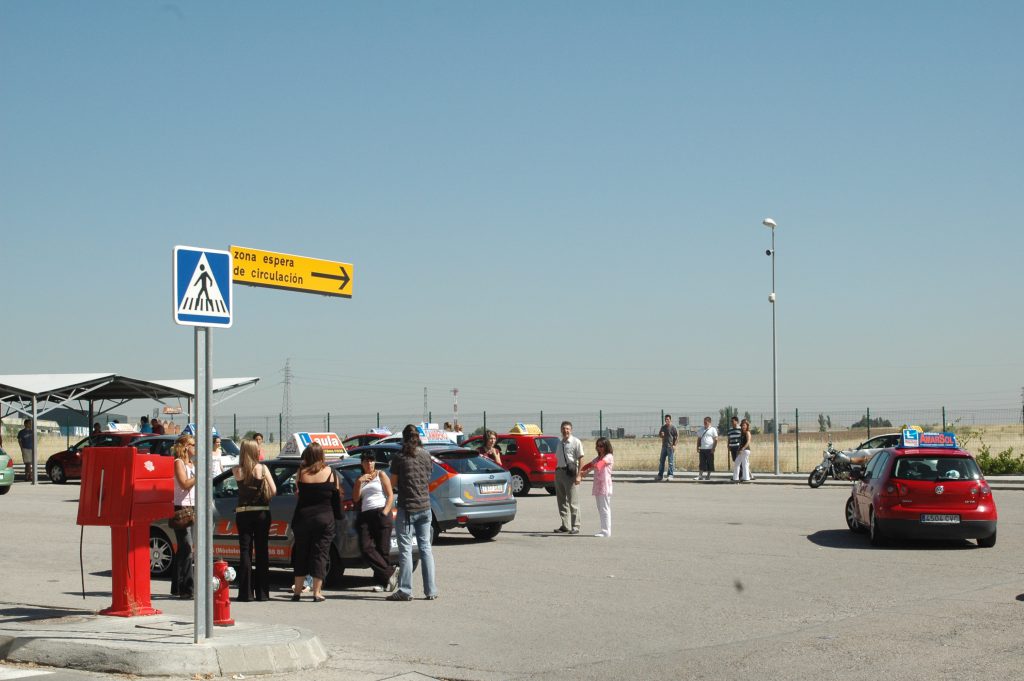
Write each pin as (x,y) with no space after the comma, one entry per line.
(10,462)
(446,468)
(895,489)
(462,519)
(984,490)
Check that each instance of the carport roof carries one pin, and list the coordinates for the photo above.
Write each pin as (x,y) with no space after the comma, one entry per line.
(96,387)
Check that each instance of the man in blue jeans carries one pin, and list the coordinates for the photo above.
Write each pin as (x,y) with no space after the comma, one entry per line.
(669,437)
(411,471)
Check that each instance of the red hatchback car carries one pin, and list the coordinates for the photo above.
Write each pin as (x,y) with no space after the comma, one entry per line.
(923,492)
(67,465)
(529,458)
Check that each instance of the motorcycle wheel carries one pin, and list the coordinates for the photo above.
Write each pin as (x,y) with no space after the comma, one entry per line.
(816,478)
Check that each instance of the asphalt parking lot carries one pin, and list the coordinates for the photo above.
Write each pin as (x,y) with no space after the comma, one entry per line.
(704,581)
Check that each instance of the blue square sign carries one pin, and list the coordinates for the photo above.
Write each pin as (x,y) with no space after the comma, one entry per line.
(202,287)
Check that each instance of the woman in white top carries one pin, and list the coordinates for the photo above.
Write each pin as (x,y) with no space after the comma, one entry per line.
(741,467)
(184,495)
(216,465)
(376,499)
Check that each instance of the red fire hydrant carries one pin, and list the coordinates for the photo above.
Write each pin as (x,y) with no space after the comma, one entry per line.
(222,578)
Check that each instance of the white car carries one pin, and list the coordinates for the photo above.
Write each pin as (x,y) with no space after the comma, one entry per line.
(871,447)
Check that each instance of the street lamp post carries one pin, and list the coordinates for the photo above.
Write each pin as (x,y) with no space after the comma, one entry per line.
(770,224)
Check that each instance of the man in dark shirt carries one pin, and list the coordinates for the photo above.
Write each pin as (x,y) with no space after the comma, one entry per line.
(411,471)
(669,437)
(25,440)
(735,437)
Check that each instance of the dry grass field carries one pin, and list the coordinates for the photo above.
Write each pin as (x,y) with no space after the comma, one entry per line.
(641,454)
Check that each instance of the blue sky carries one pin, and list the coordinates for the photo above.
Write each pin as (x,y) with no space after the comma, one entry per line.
(550,205)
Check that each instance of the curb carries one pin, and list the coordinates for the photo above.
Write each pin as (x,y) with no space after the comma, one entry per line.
(157,646)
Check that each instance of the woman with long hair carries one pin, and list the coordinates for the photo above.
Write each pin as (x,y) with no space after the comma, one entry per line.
(313,523)
(741,467)
(491,450)
(184,496)
(602,466)
(375,497)
(410,475)
(252,516)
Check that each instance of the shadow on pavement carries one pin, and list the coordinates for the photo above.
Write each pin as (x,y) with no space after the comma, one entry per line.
(23,613)
(844,539)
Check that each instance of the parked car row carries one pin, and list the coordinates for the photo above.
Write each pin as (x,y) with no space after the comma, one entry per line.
(67,465)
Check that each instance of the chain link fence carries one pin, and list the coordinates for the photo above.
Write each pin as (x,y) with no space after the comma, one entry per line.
(802,433)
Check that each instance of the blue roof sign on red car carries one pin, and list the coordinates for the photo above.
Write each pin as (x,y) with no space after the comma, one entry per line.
(913,438)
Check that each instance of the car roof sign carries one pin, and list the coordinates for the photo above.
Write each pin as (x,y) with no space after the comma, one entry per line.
(912,439)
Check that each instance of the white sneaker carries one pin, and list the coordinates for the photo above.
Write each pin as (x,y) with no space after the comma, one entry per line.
(670,478)
(699,477)
(600,534)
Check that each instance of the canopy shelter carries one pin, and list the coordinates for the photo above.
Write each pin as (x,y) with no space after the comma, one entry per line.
(34,395)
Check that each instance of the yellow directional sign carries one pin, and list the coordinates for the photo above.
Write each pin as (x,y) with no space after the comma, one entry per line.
(253,267)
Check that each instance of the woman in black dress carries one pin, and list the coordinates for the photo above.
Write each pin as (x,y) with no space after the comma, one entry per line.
(252,516)
(313,522)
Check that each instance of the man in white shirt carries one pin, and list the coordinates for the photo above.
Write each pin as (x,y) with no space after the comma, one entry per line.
(707,440)
(569,458)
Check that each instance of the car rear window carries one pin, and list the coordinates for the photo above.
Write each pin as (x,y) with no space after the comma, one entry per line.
(933,468)
(547,445)
(468,462)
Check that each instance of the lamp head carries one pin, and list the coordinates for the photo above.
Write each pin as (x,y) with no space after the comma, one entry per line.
(769,223)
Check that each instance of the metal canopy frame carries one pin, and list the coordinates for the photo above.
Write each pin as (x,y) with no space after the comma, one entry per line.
(23,393)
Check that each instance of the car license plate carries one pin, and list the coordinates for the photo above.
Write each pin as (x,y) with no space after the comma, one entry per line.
(940,518)
(492,489)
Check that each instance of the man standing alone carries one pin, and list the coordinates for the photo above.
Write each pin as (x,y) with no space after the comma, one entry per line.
(669,436)
(707,441)
(26,437)
(569,456)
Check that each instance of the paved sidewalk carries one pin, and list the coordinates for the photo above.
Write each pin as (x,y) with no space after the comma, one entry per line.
(159,645)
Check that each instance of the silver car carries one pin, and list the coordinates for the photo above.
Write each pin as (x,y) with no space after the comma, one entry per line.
(466,489)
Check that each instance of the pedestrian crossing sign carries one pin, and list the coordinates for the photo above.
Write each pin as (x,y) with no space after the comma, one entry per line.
(202,287)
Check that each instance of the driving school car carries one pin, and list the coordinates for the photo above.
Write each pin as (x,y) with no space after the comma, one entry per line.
(527,454)
(928,488)
(345,552)
(466,490)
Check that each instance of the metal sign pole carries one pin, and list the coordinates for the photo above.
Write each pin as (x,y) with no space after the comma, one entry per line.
(201,586)
(208,484)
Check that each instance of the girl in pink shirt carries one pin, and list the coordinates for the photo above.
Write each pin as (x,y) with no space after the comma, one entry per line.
(602,466)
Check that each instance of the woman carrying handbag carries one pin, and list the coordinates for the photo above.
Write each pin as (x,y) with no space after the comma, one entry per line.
(184,515)
(252,516)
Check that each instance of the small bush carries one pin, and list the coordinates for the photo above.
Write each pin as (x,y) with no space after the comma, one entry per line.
(1003,463)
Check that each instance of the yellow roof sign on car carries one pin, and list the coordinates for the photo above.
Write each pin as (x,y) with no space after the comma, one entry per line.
(525,429)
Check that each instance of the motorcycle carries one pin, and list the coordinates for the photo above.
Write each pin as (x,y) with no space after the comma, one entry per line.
(834,463)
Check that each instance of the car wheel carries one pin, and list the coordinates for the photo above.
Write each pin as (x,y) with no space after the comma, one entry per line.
(851,516)
(5,489)
(987,542)
(56,474)
(816,478)
(485,532)
(550,490)
(335,570)
(161,554)
(874,533)
(520,483)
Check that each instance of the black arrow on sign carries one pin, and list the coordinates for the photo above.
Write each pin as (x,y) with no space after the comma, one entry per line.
(343,277)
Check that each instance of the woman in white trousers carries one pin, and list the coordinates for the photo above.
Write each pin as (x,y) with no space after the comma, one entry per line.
(741,466)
